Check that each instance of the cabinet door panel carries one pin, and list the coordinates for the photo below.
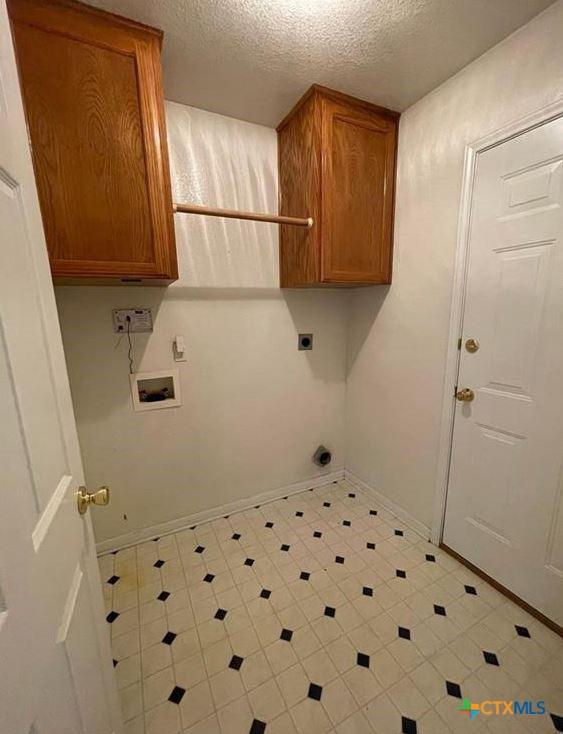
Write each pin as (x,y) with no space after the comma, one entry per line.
(83,117)
(358,176)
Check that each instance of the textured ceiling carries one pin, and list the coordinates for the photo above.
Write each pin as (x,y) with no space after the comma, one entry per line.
(252,59)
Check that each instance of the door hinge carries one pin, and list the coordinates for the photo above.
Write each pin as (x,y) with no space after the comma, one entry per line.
(459,343)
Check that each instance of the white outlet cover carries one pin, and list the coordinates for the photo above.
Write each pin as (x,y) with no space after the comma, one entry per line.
(140,320)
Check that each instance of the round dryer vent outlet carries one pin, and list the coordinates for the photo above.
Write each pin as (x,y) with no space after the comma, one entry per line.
(322,456)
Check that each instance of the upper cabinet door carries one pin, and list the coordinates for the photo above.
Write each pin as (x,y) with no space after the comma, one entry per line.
(337,165)
(92,90)
(357,183)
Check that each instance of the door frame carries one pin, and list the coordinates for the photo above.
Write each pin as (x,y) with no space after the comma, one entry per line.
(513,129)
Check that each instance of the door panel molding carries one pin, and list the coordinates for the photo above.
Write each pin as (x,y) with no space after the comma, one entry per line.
(50,512)
(517,127)
(70,605)
(554,545)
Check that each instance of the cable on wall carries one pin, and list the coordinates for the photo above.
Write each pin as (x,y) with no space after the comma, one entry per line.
(130,348)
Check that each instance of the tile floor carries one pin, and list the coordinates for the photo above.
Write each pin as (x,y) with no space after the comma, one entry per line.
(318,613)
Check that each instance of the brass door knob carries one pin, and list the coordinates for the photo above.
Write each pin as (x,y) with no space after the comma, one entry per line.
(466,395)
(84,498)
(472,345)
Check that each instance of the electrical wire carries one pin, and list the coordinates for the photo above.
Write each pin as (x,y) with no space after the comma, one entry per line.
(129,350)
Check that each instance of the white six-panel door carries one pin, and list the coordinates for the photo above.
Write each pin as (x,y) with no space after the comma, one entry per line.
(56,675)
(504,510)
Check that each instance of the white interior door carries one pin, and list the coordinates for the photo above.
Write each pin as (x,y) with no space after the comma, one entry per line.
(56,674)
(504,509)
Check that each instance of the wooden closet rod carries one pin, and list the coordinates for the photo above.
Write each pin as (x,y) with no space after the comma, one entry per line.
(234,214)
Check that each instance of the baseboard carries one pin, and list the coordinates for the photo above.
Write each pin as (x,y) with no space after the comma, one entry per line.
(173,526)
(401,514)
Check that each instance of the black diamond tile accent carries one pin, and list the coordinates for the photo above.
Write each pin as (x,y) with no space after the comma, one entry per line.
(269,525)
(557,722)
(522,631)
(114,553)
(438,609)
(370,546)
(373,512)
(471,590)
(235,536)
(330,611)
(199,549)
(346,523)
(405,633)
(431,558)
(326,504)
(163,596)
(284,547)
(265,593)
(453,689)
(315,692)
(115,662)
(352,495)
(236,662)
(304,576)
(220,614)
(155,540)
(363,660)
(257,727)
(112,616)
(286,635)
(317,534)
(249,562)
(408,726)
(401,574)
(339,559)
(113,580)
(208,577)
(169,638)
(399,533)
(177,694)
(298,513)
(159,563)
(490,658)
(366,591)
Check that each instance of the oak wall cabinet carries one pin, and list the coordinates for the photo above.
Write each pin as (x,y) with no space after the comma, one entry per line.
(91,84)
(337,165)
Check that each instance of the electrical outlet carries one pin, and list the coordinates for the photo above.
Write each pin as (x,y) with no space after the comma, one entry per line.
(140,320)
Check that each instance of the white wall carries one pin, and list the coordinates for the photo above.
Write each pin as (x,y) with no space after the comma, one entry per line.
(254,408)
(398,336)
